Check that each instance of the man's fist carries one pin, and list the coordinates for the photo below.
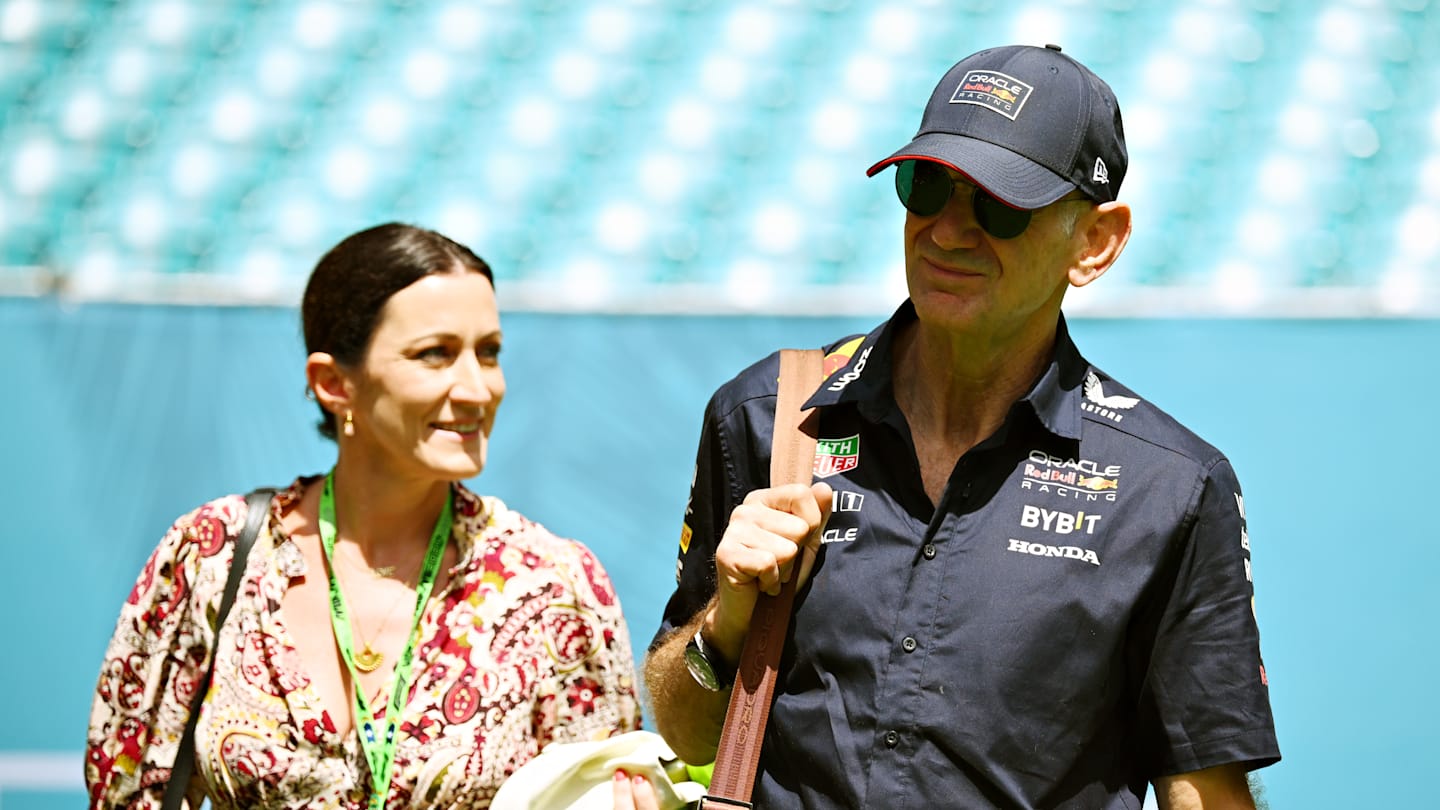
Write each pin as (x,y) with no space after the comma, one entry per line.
(758,552)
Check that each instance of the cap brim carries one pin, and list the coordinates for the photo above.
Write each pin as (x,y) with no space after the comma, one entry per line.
(1015,180)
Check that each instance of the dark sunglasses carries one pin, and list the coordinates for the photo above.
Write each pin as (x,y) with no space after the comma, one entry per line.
(924,187)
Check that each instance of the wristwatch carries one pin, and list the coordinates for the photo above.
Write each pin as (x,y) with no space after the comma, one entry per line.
(706,666)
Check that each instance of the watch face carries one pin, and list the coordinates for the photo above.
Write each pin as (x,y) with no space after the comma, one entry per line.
(700,668)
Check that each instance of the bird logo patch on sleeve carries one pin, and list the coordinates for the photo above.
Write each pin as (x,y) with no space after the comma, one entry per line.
(1103,404)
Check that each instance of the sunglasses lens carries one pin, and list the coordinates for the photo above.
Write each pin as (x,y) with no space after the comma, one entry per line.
(923,187)
(998,219)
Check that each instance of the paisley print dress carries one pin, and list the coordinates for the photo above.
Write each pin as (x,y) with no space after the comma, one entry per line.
(525,646)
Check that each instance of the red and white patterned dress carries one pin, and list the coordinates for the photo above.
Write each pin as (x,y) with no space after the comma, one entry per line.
(525,646)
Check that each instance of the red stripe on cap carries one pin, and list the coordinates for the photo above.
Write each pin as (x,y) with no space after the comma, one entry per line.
(952,167)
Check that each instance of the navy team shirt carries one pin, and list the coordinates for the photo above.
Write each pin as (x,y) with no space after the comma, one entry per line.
(1074,620)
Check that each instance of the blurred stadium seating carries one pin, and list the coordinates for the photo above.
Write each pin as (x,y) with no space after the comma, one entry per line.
(698,155)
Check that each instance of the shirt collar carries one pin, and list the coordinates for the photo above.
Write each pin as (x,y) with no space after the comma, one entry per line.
(862,374)
(1055,397)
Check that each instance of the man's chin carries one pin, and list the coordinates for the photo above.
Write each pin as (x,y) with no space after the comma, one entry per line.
(948,308)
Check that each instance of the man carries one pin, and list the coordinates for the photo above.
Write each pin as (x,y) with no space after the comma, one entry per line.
(1030,587)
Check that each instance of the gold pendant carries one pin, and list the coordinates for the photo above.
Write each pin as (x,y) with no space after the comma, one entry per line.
(384,571)
(367,660)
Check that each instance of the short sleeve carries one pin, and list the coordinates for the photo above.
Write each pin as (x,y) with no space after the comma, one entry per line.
(1207,696)
(715,491)
(593,691)
(155,660)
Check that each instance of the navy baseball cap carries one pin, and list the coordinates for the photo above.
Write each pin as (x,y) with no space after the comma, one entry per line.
(1028,124)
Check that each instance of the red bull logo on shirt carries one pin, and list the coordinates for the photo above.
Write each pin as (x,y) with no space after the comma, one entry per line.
(835,456)
(1069,477)
(1096,482)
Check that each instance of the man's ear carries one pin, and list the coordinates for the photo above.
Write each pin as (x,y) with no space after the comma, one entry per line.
(329,382)
(1107,229)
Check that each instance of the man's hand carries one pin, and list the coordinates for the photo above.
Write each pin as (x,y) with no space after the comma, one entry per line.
(766,535)
(757,553)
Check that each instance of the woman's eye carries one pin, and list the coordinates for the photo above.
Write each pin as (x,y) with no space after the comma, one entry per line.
(491,352)
(434,353)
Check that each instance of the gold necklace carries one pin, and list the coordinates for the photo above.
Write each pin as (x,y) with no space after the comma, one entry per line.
(380,571)
(367,658)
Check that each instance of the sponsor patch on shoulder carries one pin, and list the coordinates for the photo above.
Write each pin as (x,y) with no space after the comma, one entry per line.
(685,535)
(1102,404)
(836,359)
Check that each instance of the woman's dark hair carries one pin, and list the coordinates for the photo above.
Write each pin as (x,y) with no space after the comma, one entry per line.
(349,287)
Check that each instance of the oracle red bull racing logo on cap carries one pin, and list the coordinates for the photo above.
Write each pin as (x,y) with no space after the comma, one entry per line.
(834,456)
(987,88)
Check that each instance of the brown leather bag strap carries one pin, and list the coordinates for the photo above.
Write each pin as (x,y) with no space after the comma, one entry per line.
(792,459)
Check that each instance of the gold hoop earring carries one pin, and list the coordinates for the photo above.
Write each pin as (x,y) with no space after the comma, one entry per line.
(349,428)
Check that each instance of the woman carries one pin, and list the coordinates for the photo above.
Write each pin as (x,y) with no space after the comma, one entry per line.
(384,597)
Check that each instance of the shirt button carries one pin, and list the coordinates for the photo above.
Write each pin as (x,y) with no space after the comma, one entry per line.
(928,551)
(909,644)
(892,739)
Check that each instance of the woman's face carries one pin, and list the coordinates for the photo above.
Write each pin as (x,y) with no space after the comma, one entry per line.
(426,395)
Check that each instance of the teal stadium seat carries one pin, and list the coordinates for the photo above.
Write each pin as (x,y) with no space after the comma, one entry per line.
(688,146)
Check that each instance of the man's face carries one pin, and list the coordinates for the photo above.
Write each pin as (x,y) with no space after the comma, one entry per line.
(963,279)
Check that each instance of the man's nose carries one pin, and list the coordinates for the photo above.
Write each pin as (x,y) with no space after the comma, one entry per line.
(955,226)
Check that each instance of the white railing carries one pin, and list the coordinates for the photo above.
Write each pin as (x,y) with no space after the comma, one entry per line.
(1099,301)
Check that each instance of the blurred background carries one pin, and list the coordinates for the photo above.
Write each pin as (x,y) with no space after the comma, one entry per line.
(668,191)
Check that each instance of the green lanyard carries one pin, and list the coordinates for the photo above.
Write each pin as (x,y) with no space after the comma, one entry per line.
(378,739)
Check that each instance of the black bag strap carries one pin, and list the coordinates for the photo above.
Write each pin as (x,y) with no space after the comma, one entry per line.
(257,507)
